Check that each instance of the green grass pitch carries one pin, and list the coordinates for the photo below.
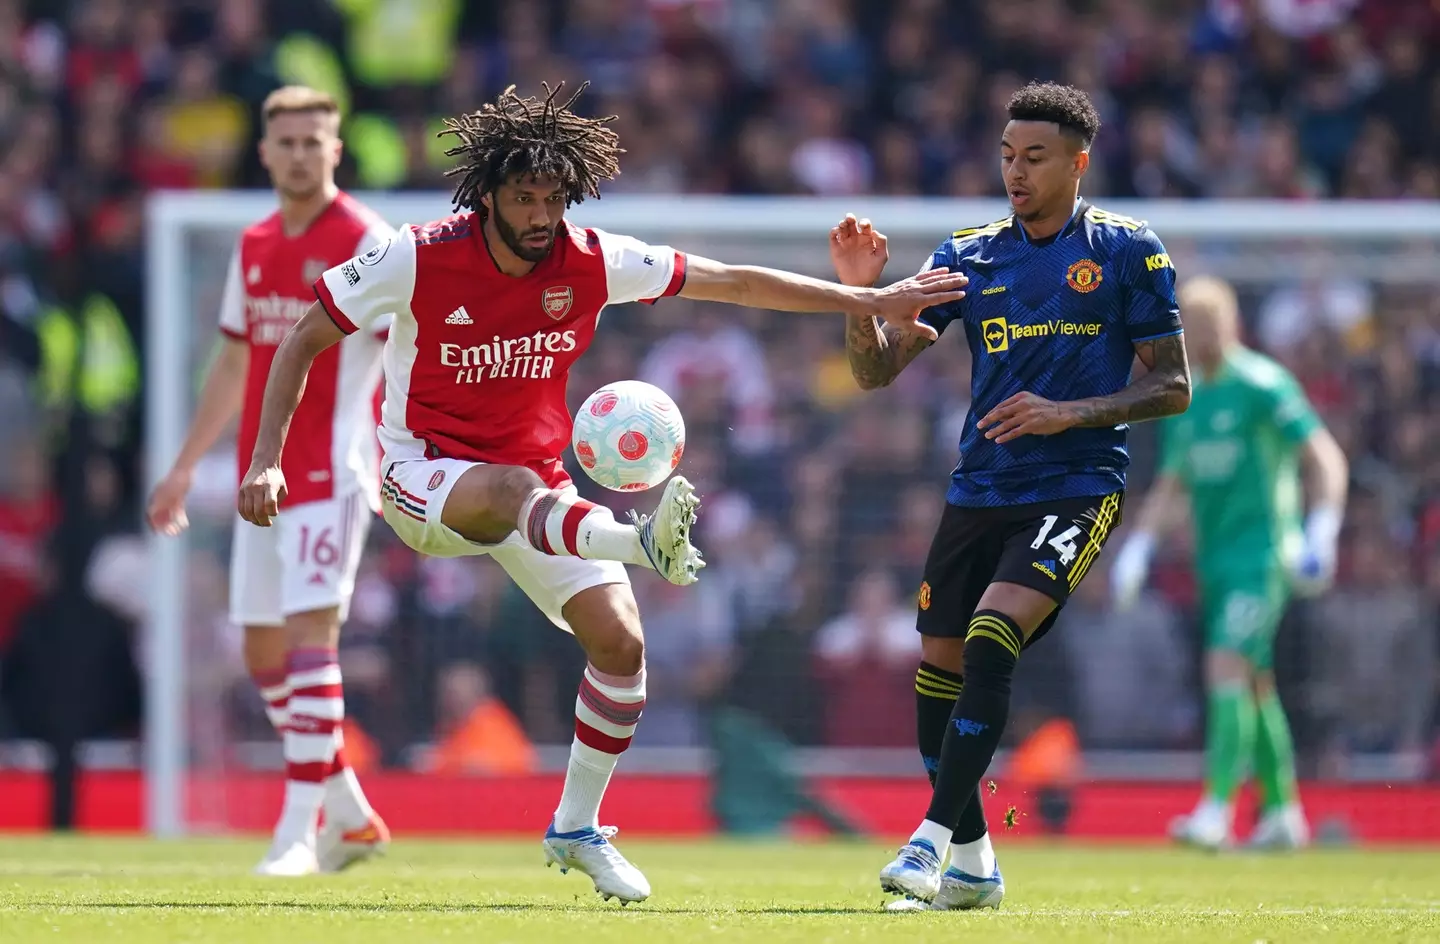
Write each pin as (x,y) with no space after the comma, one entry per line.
(102,890)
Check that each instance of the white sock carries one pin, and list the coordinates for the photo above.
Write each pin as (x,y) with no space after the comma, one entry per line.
(301,811)
(607,710)
(938,836)
(974,858)
(566,525)
(1212,809)
(345,802)
(316,709)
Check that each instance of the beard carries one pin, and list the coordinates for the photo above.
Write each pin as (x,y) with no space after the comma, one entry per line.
(513,240)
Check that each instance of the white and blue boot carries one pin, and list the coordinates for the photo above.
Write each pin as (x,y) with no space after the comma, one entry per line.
(665,535)
(915,873)
(589,849)
(960,891)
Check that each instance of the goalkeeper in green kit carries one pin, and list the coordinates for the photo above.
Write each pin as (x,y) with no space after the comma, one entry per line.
(1238,454)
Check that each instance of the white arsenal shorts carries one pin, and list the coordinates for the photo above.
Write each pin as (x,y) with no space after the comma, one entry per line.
(412,498)
(305,561)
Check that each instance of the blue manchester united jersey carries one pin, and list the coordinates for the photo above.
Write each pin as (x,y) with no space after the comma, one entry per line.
(1058,318)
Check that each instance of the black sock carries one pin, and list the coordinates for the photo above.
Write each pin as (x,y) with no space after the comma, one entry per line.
(936,692)
(992,646)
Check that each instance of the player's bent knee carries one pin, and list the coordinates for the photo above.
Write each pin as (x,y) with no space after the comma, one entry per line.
(265,648)
(606,623)
(313,629)
(944,652)
(1027,607)
(485,503)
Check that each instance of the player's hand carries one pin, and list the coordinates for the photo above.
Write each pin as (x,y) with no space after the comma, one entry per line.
(1314,571)
(858,251)
(900,304)
(166,512)
(1026,414)
(1127,576)
(261,492)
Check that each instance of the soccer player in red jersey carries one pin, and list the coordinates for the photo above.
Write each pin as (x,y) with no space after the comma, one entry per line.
(491,307)
(290,586)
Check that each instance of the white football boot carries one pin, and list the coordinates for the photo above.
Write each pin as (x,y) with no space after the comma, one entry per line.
(1209,827)
(914,873)
(339,848)
(1284,828)
(590,850)
(665,535)
(289,859)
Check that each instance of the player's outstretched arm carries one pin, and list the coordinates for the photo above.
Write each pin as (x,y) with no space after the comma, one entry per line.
(263,487)
(220,400)
(899,304)
(877,352)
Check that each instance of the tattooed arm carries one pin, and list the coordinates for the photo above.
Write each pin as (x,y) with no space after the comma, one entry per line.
(1164,390)
(878,352)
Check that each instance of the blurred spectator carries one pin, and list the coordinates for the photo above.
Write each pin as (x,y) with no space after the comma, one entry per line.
(1375,634)
(865,660)
(477,734)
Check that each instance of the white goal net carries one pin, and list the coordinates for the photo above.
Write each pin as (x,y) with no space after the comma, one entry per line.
(822,505)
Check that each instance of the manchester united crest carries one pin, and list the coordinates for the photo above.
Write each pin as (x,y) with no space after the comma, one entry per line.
(313,269)
(924,595)
(1084,276)
(557,300)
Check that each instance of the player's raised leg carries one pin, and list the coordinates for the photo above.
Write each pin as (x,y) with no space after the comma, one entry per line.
(489,502)
(607,709)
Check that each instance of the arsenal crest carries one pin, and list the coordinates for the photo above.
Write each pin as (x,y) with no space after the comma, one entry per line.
(557,301)
(313,269)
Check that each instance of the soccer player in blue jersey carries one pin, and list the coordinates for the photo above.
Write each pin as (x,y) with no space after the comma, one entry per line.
(1062,297)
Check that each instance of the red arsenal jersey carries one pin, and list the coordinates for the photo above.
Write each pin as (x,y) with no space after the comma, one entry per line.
(477,361)
(331,449)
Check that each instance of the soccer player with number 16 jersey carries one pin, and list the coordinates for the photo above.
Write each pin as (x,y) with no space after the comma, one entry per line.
(290,587)
(491,308)
(1062,297)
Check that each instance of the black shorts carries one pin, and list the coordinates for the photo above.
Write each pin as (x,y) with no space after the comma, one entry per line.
(1046,546)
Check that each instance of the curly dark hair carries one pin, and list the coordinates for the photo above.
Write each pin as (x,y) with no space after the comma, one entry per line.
(532,136)
(1065,105)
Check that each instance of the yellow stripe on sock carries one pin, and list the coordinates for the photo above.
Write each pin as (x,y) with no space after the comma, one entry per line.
(935,681)
(999,625)
(932,693)
(995,629)
(1098,531)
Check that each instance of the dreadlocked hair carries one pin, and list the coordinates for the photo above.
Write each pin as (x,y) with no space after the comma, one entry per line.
(532,137)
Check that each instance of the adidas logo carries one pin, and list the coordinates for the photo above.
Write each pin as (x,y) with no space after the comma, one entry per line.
(1046,567)
(459,316)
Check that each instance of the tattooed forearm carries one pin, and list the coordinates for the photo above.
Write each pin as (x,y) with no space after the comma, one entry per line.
(878,353)
(1163,391)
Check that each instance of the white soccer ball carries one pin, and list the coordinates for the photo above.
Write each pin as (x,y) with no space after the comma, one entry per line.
(629,436)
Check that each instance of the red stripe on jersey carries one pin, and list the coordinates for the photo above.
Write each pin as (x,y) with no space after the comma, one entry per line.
(606,743)
(327,302)
(233,334)
(677,280)
(570,527)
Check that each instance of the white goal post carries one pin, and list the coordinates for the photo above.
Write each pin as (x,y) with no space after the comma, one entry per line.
(1256,242)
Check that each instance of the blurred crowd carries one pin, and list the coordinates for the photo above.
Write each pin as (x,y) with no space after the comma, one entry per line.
(819,502)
